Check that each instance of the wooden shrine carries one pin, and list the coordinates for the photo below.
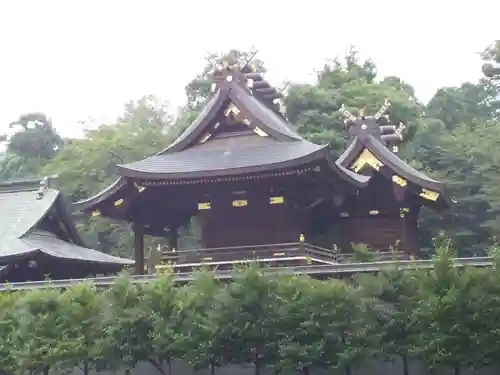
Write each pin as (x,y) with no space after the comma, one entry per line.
(395,192)
(258,189)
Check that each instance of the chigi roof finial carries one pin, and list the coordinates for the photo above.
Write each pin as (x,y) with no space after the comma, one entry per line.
(377,126)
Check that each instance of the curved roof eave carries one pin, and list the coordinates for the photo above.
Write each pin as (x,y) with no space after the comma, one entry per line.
(354,178)
(88,203)
(402,168)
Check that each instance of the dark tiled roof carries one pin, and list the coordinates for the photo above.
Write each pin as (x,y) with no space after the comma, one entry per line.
(210,110)
(272,120)
(21,209)
(233,156)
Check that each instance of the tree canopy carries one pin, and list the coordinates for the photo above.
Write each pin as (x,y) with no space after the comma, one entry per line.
(445,318)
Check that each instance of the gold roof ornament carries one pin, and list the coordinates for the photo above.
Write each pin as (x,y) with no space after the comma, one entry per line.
(366,158)
(399,181)
(204,206)
(429,195)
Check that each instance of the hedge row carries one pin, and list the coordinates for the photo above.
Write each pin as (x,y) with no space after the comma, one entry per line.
(444,316)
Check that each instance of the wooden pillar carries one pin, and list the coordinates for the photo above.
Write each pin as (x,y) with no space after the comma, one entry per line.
(138,249)
(173,238)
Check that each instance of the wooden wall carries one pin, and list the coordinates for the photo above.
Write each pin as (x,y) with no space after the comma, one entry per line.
(257,223)
(379,232)
(373,217)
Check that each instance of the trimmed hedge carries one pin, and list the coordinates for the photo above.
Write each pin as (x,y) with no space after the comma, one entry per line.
(443,317)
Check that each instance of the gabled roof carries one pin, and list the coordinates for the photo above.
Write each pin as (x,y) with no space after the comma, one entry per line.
(237,91)
(23,205)
(277,146)
(370,142)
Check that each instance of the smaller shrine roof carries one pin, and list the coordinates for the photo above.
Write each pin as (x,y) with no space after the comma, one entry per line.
(371,134)
(387,157)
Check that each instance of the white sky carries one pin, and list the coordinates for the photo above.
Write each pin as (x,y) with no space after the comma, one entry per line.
(75,60)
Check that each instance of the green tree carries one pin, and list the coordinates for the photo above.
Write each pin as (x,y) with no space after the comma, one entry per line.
(127,326)
(350,82)
(462,105)
(456,144)
(8,327)
(467,161)
(160,303)
(486,295)
(199,322)
(246,316)
(88,165)
(38,332)
(324,325)
(15,167)
(392,295)
(306,342)
(35,142)
(448,316)
(81,326)
(37,139)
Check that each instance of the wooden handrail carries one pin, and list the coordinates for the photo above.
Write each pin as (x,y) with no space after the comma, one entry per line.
(234,253)
(321,248)
(316,250)
(377,256)
(237,248)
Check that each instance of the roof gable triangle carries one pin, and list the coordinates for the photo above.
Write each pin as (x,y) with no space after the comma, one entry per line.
(248,99)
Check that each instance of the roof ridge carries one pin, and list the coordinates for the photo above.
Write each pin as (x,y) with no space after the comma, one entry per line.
(19,185)
(11,186)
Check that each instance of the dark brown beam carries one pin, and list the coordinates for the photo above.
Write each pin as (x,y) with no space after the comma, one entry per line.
(173,238)
(261,85)
(274,95)
(138,249)
(266,90)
